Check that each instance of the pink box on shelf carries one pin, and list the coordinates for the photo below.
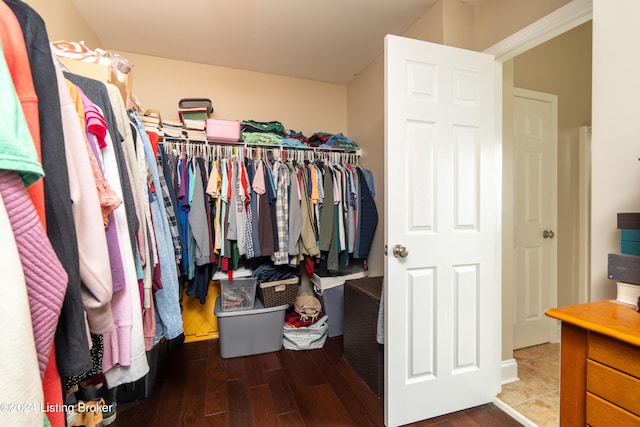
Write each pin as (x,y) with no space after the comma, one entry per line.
(222,130)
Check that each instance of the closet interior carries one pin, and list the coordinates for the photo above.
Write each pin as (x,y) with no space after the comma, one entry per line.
(122,242)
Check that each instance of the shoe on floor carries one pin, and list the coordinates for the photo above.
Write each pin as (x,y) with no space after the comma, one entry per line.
(109,414)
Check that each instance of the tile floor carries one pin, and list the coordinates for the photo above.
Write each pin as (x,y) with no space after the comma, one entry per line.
(537,395)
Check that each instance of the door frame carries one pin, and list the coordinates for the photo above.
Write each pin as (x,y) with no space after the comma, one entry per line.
(563,19)
(584,196)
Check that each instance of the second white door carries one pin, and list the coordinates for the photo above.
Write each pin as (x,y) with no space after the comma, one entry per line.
(535,215)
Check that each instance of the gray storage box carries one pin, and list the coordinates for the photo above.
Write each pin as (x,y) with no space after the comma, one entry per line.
(332,301)
(247,332)
(624,268)
(330,292)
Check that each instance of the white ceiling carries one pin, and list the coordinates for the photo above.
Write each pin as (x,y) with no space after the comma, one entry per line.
(328,40)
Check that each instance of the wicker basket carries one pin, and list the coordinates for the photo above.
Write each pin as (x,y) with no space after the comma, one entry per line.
(281,292)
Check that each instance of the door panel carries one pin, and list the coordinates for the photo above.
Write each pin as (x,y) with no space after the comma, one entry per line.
(442,189)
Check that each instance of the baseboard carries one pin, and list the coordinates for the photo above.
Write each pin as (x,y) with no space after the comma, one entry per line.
(509,371)
(513,413)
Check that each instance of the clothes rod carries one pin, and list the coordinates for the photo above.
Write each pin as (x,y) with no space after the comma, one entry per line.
(355,151)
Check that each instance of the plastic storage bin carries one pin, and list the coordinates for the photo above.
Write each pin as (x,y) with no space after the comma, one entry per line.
(247,332)
(332,301)
(237,294)
(222,130)
(330,291)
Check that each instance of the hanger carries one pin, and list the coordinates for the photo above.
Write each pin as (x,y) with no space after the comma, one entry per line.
(62,65)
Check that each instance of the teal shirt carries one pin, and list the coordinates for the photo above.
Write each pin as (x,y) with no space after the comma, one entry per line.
(17,149)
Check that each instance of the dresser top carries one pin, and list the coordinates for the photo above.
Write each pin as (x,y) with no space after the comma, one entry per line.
(609,317)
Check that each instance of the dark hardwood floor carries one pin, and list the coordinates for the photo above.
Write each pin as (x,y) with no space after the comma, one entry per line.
(196,387)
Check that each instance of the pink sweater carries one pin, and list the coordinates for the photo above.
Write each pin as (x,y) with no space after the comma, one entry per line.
(46,279)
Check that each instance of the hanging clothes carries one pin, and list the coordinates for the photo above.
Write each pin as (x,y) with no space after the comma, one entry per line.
(98,93)
(281,172)
(295,215)
(308,235)
(265,223)
(168,316)
(95,273)
(170,201)
(124,354)
(253,225)
(70,342)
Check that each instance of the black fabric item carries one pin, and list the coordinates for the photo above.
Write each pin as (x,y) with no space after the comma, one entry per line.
(166,171)
(267,272)
(321,265)
(72,344)
(368,217)
(199,286)
(271,192)
(204,175)
(97,353)
(265,226)
(328,214)
(253,207)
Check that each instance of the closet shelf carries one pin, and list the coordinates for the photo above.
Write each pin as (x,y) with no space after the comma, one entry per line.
(355,151)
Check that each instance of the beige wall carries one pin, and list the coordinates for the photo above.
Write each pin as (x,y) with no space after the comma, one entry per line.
(459,25)
(615,131)
(365,113)
(64,22)
(430,27)
(562,66)
(302,105)
(495,20)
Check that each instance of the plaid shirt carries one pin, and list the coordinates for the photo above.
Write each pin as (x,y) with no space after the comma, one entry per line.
(171,214)
(281,255)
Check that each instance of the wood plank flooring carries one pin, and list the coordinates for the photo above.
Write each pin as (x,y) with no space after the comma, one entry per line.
(196,387)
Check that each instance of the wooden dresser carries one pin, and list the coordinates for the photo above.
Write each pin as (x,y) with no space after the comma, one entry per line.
(599,364)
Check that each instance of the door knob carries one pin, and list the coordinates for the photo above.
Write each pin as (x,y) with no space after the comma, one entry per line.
(400,251)
(548,234)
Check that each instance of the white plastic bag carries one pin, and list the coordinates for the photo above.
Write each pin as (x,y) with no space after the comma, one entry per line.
(305,338)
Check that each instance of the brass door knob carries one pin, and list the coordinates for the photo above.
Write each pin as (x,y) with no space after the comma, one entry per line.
(548,234)
(400,251)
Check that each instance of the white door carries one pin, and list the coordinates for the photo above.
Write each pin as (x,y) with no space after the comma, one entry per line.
(442,205)
(535,215)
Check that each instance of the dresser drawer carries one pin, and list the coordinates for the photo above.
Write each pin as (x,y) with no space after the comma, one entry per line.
(605,414)
(617,354)
(615,386)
